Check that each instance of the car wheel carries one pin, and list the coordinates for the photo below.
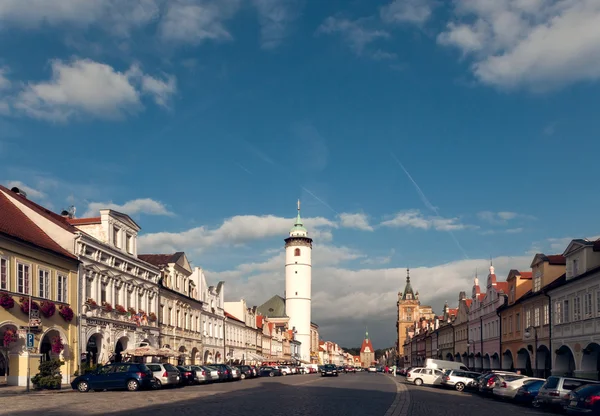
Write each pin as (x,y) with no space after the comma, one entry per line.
(83,386)
(157,383)
(459,386)
(133,385)
(271,374)
(243,376)
(536,404)
(418,382)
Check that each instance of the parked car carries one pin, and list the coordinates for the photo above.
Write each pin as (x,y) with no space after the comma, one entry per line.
(507,385)
(459,379)
(269,372)
(584,400)
(245,371)
(329,370)
(527,393)
(164,374)
(130,376)
(555,391)
(215,374)
(202,374)
(186,375)
(372,369)
(488,381)
(421,375)
(285,370)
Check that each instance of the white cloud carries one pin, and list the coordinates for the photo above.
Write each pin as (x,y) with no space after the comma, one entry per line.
(234,231)
(31,192)
(86,87)
(137,206)
(502,217)
(115,16)
(160,89)
(357,33)
(4,81)
(195,21)
(275,16)
(415,219)
(407,11)
(359,221)
(532,44)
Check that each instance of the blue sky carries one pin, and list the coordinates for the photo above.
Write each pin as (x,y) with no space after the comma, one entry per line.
(206,120)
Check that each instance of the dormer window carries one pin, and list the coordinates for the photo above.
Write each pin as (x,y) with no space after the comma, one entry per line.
(129,243)
(537,281)
(117,237)
(575,267)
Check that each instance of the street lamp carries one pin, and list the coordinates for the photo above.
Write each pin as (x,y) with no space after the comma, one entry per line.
(527,335)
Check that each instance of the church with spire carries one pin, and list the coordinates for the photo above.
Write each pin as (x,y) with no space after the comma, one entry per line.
(410,313)
(367,352)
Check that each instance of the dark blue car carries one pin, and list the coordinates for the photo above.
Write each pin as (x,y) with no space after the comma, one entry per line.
(130,376)
(528,392)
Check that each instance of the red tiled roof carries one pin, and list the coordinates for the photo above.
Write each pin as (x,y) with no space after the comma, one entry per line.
(468,302)
(44,212)
(502,286)
(14,223)
(259,321)
(366,343)
(557,259)
(526,275)
(84,221)
(452,311)
(159,259)
(230,316)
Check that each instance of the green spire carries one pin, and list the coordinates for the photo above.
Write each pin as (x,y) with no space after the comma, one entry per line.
(298,226)
(367,335)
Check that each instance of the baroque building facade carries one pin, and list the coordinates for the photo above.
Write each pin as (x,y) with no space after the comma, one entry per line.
(213,318)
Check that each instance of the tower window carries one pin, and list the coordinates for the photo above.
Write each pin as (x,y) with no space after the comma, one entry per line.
(296,252)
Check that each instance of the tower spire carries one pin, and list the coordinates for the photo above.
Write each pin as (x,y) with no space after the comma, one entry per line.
(407,275)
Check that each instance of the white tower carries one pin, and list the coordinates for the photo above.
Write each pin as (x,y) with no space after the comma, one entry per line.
(298,276)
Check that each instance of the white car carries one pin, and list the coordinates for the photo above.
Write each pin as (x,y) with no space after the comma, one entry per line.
(506,386)
(420,376)
(372,369)
(285,370)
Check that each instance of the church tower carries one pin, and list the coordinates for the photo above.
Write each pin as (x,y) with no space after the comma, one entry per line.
(298,276)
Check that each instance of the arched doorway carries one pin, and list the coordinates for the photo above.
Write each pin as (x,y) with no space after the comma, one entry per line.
(92,350)
(524,362)
(51,346)
(486,362)
(8,341)
(218,358)
(181,356)
(457,358)
(495,362)
(471,360)
(543,362)
(507,361)
(590,362)
(120,346)
(449,357)
(564,364)
(208,357)
(195,356)
(478,362)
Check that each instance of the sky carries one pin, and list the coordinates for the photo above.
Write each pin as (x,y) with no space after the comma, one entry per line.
(416,133)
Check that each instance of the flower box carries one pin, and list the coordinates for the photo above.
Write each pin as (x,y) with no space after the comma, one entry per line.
(66,313)
(6,301)
(47,308)
(152,317)
(10,336)
(24,301)
(91,302)
(131,310)
(107,306)
(120,309)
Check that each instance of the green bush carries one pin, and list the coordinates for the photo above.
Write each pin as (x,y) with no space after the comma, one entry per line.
(49,377)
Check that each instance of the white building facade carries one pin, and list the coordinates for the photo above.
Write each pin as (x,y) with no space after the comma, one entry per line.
(213,317)
(298,280)
(575,310)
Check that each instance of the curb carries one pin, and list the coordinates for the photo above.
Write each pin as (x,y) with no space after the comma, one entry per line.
(35,393)
(401,403)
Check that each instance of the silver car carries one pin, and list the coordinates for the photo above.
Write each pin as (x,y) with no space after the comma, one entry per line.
(203,375)
(164,374)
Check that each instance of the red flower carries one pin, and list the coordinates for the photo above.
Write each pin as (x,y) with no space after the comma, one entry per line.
(25,305)
(66,312)
(10,335)
(48,308)
(152,316)
(6,301)
(57,345)
(107,306)
(120,309)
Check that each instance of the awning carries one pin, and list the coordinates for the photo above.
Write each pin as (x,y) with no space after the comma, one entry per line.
(256,357)
(145,351)
(237,355)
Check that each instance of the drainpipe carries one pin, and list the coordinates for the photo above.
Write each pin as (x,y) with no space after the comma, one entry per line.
(549,333)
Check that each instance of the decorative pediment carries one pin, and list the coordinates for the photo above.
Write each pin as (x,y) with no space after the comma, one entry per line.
(576,245)
(124,219)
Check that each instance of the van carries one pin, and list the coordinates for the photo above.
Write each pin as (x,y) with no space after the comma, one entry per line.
(444,365)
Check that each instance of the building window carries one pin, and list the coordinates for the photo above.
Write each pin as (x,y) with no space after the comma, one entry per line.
(527,318)
(177,319)
(102,293)
(88,287)
(566,315)
(518,322)
(23,277)
(116,237)
(577,308)
(512,294)
(587,304)
(296,252)
(4,274)
(536,317)
(61,288)
(575,267)
(510,323)
(43,283)
(129,300)
(129,243)
(546,314)
(537,282)
(558,313)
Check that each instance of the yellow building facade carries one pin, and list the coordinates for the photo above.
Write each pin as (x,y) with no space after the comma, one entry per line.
(32,266)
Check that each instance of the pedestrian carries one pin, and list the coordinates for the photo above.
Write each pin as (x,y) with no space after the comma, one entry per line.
(394,370)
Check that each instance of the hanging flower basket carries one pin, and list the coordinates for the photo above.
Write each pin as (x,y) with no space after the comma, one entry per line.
(66,313)
(107,306)
(57,345)
(120,309)
(131,310)
(25,305)
(152,317)
(48,308)
(10,336)
(91,302)
(141,312)
(6,301)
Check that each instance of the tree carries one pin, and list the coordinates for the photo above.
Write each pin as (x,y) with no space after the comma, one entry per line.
(49,376)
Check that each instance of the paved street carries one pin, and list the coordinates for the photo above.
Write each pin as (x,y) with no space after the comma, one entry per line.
(426,401)
(348,394)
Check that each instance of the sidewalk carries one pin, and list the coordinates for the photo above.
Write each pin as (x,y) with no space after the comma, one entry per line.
(19,390)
